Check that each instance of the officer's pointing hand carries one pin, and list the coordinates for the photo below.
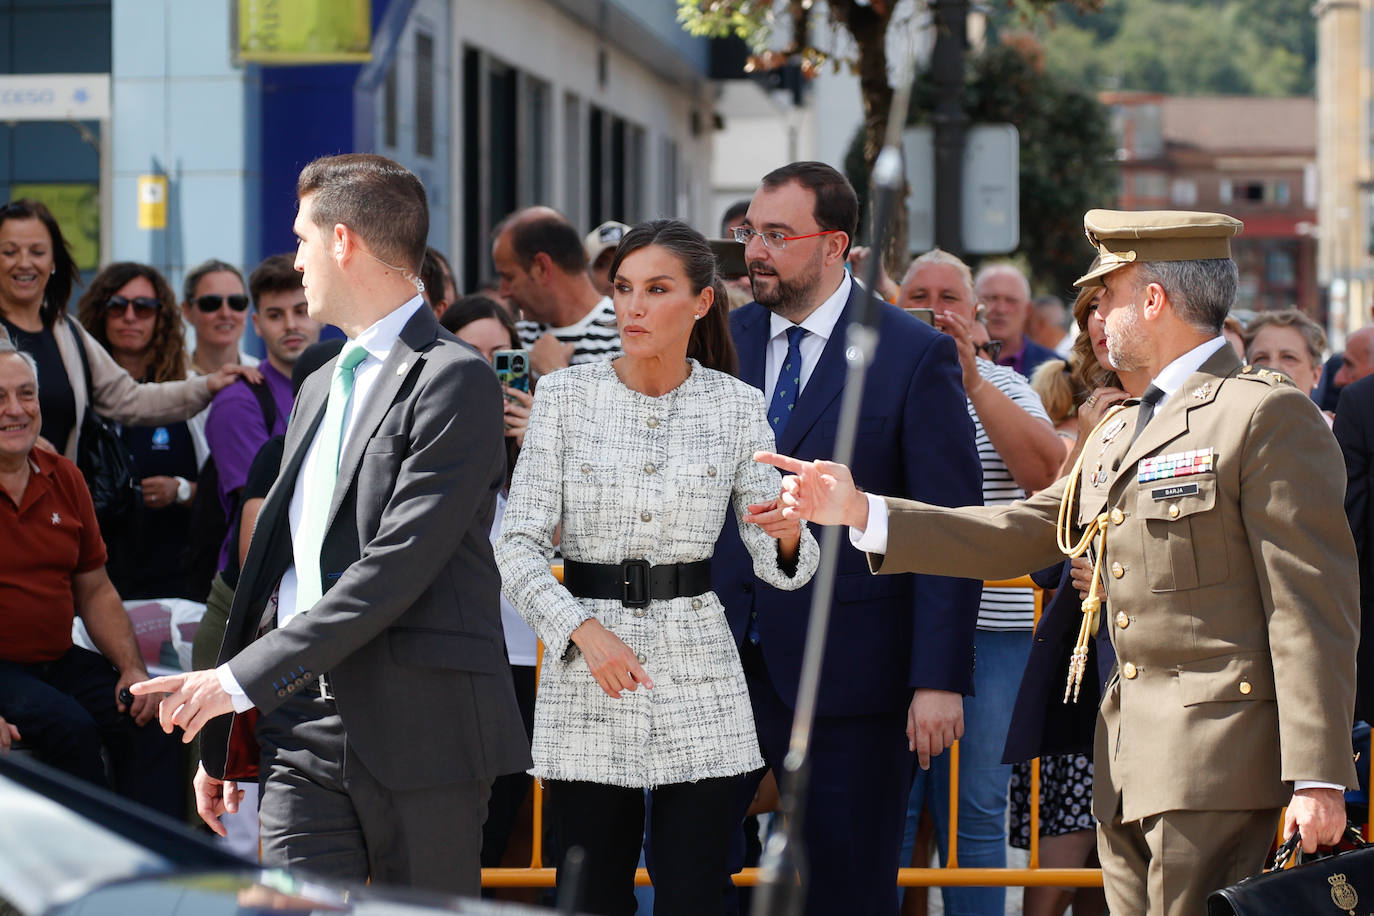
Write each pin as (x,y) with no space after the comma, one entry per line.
(822,492)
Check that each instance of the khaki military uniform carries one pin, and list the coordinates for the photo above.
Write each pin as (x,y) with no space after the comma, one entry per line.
(1232,602)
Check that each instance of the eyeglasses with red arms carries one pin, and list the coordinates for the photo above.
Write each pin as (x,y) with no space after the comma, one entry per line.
(773,239)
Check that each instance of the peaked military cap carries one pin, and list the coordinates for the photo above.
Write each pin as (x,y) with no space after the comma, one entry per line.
(1124,237)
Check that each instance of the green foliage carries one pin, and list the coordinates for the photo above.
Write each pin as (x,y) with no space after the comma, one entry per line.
(750,20)
(1067,162)
(1182,47)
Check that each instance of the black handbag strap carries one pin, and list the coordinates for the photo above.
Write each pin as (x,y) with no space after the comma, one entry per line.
(1291,846)
(85,360)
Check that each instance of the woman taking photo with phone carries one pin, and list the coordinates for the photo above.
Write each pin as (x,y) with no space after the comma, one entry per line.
(641,686)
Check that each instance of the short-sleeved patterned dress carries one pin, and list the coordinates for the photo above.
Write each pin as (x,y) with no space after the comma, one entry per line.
(630,476)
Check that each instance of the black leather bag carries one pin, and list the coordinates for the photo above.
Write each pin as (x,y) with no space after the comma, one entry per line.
(1339,883)
(105,461)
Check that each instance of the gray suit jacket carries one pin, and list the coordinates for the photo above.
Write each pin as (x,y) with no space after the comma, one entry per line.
(409,627)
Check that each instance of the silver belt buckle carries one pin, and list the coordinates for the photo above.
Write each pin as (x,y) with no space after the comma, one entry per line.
(323,683)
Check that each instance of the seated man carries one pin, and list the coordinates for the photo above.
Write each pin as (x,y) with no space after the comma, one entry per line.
(63,699)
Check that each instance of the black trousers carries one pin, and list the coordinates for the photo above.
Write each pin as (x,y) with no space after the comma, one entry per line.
(689,829)
(65,712)
(323,812)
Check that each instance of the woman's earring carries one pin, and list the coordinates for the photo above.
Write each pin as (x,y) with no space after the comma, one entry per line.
(698,317)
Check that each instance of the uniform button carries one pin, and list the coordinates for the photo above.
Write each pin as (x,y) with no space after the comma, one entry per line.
(696,604)
(711,471)
(1245,688)
(646,516)
(1128,671)
(1118,570)
(652,422)
(640,612)
(641,659)
(1118,516)
(649,468)
(1173,511)
(1122,620)
(585,469)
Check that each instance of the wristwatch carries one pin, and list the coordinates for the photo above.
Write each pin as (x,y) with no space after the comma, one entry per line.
(183,490)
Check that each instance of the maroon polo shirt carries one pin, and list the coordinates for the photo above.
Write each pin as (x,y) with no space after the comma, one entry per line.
(50,536)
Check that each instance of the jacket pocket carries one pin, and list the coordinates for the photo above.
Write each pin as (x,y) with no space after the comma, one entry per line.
(453,649)
(1184,539)
(1227,678)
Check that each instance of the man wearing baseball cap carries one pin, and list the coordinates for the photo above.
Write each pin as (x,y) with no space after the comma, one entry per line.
(600,245)
(1212,511)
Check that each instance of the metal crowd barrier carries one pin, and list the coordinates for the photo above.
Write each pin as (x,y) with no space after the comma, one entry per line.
(950,875)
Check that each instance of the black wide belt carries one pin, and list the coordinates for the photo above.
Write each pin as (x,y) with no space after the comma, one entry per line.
(635,583)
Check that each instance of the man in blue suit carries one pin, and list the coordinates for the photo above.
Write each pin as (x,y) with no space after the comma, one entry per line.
(899,653)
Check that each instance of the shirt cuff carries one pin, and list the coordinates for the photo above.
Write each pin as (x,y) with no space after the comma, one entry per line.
(1313,784)
(873,539)
(230,684)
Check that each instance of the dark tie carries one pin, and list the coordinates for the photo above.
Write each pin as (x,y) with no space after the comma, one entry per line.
(1148,401)
(789,382)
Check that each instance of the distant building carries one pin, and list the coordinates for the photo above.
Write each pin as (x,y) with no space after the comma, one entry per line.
(601,109)
(1251,157)
(1344,172)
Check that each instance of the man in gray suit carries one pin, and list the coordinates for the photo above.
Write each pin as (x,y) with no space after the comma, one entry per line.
(366,628)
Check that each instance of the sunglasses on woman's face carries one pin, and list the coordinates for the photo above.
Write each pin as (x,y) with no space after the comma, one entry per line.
(212,304)
(143,305)
(990,350)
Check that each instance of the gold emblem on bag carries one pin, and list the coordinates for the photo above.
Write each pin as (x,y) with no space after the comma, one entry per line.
(1342,894)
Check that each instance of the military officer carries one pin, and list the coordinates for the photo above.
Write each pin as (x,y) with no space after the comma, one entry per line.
(1213,509)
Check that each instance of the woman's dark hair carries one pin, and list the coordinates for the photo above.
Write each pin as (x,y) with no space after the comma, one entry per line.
(710,343)
(65,274)
(203,270)
(167,349)
(475,307)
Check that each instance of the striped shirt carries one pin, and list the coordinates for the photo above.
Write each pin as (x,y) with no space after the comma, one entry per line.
(595,337)
(1004,608)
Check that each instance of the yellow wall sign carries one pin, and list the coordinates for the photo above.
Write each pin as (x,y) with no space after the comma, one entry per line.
(305,31)
(152,201)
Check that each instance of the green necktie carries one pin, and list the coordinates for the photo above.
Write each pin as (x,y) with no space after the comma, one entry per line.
(323,473)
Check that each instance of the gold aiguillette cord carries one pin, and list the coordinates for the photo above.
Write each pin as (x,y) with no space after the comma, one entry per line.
(1092,604)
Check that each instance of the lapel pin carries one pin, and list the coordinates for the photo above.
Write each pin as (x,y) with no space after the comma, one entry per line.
(401,369)
(1202,391)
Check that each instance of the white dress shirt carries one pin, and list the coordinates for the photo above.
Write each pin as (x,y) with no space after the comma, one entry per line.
(378,340)
(820,324)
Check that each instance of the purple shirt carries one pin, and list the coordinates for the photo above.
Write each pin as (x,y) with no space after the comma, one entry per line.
(235,431)
(1015,360)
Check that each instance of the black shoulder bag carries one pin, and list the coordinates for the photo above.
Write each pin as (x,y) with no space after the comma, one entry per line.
(105,461)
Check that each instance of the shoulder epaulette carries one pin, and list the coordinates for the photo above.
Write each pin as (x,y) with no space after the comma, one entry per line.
(1271,377)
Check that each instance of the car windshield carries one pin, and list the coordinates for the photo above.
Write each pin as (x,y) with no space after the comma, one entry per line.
(50,854)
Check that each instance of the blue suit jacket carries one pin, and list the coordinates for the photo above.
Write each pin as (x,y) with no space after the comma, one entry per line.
(888,634)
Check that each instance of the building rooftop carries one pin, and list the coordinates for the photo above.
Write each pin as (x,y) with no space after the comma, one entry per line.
(1243,124)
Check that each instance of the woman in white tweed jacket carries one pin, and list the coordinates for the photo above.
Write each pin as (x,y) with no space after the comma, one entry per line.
(641,684)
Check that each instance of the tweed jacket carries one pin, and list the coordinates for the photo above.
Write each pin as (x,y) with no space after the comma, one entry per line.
(630,476)
(1232,591)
